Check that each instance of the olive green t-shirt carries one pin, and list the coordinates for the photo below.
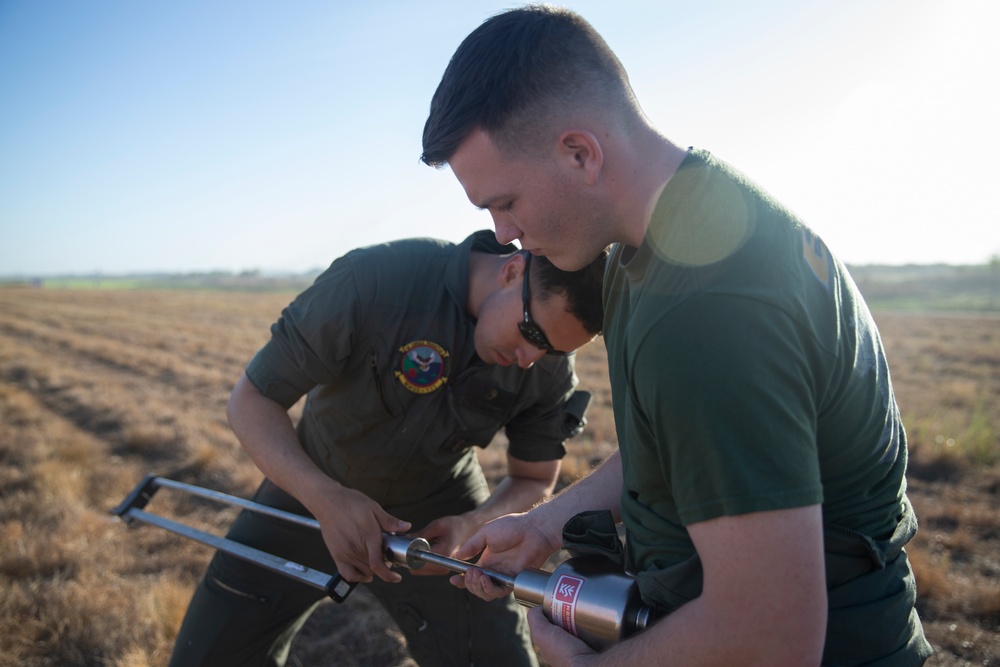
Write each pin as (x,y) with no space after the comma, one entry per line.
(748,375)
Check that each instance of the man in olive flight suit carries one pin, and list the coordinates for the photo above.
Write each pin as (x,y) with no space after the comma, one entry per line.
(412,354)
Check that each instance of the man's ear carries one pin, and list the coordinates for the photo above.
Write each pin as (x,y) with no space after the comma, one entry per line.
(511,270)
(581,150)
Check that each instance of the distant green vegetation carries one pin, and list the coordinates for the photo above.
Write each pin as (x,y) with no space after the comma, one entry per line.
(910,288)
(93,283)
(954,440)
(248,281)
(939,287)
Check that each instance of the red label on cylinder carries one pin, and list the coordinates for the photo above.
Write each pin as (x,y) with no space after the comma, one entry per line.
(564,597)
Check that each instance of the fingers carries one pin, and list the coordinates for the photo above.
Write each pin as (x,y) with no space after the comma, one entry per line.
(391,524)
(495,537)
(555,645)
(370,559)
(433,530)
(357,547)
(376,560)
(386,574)
(351,574)
(481,585)
(359,570)
(440,536)
(537,623)
(473,546)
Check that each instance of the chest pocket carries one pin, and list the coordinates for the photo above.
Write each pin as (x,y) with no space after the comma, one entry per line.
(481,408)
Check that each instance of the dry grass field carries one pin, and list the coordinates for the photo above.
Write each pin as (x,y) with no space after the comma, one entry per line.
(100,387)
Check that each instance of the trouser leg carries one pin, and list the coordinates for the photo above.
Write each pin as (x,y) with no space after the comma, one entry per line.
(242,614)
(448,626)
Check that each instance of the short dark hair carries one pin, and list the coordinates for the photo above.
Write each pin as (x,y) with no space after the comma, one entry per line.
(583,289)
(514,70)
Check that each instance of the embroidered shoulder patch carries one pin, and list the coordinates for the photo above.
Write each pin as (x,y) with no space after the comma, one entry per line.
(422,368)
(816,255)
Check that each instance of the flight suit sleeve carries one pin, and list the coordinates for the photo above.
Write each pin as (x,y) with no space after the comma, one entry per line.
(312,340)
(540,432)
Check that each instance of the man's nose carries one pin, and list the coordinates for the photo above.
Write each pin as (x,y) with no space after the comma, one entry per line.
(505,232)
(527,355)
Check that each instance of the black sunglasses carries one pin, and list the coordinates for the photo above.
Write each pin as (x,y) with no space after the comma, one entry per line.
(529,328)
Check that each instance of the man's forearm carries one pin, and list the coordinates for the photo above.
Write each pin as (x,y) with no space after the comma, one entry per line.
(266,433)
(601,489)
(512,543)
(763,600)
(514,494)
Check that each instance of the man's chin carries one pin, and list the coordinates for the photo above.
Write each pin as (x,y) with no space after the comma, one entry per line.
(564,263)
(555,259)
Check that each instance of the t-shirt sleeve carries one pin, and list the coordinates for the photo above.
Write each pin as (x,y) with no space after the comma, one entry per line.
(725,386)
(312,340)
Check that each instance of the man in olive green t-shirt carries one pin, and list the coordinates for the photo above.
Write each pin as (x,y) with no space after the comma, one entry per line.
(760,472)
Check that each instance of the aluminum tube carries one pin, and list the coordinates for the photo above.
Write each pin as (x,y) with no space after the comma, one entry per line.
(333,585)
(291,517)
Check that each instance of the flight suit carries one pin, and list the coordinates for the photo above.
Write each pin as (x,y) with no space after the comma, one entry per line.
(397,399)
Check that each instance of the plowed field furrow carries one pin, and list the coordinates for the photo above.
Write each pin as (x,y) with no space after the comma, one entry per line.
(150,359)
(180,323)
(58,358)
(149,366)
(170,421)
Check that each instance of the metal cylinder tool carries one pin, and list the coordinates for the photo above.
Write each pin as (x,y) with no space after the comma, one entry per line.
(588,597)
(585,596)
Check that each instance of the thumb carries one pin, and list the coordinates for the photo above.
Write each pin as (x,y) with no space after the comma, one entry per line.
(391,524)
(472,546)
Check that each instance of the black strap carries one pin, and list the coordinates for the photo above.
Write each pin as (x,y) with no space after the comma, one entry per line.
(594,533)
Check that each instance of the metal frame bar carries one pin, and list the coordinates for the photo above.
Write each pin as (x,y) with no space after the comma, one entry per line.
(131,510)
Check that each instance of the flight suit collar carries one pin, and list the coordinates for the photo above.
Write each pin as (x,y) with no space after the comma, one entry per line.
(457,272)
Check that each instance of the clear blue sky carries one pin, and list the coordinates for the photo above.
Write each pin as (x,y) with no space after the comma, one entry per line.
(234,135)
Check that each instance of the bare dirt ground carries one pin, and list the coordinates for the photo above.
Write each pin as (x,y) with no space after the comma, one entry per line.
(99,388)
(956,556)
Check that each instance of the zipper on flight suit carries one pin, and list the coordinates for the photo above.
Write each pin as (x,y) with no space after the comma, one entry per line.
(378,383)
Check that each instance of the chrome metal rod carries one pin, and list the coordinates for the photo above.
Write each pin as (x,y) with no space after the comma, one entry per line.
(461,566)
